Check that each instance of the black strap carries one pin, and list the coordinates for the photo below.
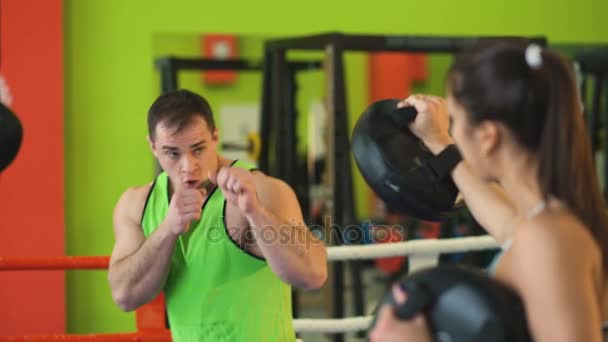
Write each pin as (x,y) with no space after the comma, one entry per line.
(442,164)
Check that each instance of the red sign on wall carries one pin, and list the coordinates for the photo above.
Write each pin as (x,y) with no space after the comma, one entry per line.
(220,47)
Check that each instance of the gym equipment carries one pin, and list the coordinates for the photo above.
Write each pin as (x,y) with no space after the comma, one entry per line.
(462,305)
(252,147)
(11,135)
(399,168)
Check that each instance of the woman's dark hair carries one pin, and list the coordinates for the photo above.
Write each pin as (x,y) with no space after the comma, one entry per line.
(538,101)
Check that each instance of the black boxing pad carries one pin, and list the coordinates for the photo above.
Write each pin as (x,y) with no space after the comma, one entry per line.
(11,134)
(397,166)
(463,305)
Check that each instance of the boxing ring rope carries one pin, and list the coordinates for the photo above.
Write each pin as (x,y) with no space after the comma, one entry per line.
(412,247)
(332,325)
(163,336)
(54,263)
(334,253)
(421,253)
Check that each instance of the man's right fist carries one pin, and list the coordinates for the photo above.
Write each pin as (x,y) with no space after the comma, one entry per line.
(185,207)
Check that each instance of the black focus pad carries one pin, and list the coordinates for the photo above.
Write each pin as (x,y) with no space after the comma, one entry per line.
(465,305)
(11,134)
(397,166)
(403,116)
(418,300)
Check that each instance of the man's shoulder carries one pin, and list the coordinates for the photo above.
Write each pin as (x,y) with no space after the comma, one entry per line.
(132,201)
(273,190)
(135,194)
(269,182)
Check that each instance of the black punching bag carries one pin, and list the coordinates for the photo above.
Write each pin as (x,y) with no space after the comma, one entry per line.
(11,134)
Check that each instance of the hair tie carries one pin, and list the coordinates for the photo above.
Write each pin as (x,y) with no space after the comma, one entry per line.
(534,56)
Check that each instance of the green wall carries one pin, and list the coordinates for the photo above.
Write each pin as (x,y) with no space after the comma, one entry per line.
(111,81)
(246,89)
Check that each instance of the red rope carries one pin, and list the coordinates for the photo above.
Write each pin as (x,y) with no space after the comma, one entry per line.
(79,263)
(163,335)
(54,263)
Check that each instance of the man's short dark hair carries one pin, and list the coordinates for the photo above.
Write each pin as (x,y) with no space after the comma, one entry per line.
(177,109)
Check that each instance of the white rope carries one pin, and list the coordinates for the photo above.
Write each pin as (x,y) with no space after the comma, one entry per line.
(423,246)
(332,325)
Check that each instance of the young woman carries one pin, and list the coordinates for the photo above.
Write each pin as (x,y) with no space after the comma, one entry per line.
(529,178)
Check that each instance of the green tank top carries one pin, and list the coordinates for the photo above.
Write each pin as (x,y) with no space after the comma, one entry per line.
(215,290)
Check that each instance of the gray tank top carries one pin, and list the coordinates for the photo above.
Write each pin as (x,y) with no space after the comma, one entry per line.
(507,244)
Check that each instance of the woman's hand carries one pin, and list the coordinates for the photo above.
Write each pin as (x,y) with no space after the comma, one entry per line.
(389,328)
(432,123)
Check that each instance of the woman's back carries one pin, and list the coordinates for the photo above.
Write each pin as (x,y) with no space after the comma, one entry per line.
(556,265)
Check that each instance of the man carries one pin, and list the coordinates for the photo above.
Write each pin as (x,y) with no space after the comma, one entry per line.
(223,240)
